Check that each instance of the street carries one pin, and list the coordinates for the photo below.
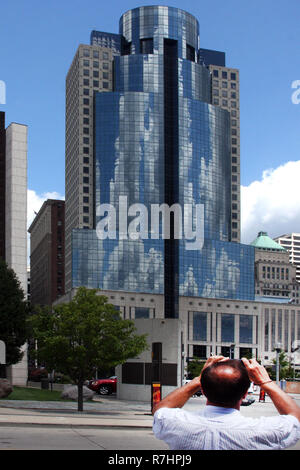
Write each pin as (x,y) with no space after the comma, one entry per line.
(91,434)
(60,438)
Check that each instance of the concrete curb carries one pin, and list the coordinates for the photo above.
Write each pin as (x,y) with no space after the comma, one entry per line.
(32,420)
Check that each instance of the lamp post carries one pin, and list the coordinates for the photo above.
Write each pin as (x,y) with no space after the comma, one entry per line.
(278,347)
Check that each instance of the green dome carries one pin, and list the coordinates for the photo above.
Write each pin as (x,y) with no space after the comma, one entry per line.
(264,242)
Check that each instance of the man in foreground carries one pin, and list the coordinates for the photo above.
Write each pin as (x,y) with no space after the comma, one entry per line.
(220,426)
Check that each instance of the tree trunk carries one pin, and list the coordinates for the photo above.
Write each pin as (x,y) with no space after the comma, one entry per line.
(80,395)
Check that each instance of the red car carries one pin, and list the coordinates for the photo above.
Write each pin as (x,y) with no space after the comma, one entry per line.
(104,386)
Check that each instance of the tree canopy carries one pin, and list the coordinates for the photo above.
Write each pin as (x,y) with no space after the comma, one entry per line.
(83,335)
(13,314)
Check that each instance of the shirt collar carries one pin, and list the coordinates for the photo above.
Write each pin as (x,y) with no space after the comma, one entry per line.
(210,410)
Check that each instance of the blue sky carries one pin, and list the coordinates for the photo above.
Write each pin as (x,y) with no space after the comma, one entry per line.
(38,40)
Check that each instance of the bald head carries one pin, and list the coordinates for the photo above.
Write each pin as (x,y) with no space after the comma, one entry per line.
(225,383)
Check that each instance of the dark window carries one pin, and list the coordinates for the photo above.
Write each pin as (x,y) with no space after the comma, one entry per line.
(190,53)
(133,373)
(146,46)
(142,312)
(126,47)
(199,351)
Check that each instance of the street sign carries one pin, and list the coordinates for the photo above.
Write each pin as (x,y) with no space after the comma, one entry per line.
(2,352)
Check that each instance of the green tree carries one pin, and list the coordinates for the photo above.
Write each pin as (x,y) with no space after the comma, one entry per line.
(285,368)
(82,335)
(195,367)
(13,313)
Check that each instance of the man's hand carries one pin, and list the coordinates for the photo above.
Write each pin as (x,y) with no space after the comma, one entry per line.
(283,402)
(212,359)
(256,372)
(180,396)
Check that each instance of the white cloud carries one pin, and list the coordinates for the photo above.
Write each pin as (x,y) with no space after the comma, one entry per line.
(272,204)
(34,203)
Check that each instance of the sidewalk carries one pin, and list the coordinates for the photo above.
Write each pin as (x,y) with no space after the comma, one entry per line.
(102,412)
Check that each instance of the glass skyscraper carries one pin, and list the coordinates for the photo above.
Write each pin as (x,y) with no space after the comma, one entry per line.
(158,139)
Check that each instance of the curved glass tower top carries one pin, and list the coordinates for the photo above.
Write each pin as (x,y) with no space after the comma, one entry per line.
(159,141)
(142,25)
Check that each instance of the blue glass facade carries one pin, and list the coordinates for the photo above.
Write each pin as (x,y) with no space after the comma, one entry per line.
(157,139)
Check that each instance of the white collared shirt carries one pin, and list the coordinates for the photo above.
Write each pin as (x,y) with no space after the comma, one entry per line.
(218,428)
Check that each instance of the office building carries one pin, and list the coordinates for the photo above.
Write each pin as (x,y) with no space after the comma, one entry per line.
(291,242)
(13,214)
(2,185)
(226,94)
(91,71)
(47,253)
(275,275)
(157,139)
(155,134)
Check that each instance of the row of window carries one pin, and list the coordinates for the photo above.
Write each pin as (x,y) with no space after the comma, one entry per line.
(227,324)
(224,102)
(96,84)
(224,74)
(203,351)
(95,54)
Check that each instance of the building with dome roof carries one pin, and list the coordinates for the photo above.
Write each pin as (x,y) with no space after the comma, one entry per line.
(275,276)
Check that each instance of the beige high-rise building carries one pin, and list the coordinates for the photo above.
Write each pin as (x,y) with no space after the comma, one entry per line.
(16,222)
(91,70)
(226,95)
(291,242)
